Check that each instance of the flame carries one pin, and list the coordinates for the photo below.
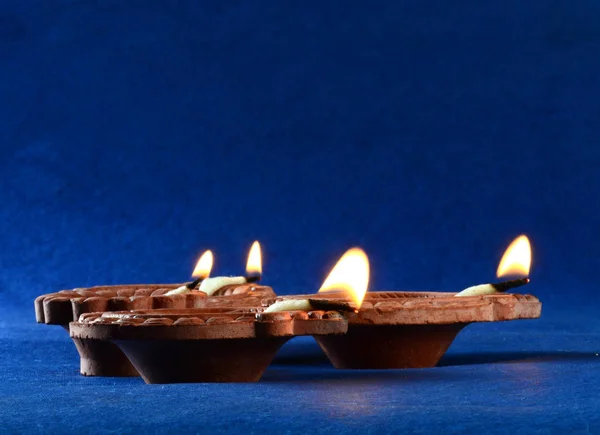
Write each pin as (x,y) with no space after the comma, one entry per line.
(516,259)
(350,275)
(254,264)
(203,266)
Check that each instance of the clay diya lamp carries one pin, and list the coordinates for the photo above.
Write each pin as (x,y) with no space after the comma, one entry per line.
(193,345)
(390,330)
(394,330)
(102,358)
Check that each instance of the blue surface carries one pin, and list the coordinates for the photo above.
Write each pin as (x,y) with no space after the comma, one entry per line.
(135,134)
(520,377)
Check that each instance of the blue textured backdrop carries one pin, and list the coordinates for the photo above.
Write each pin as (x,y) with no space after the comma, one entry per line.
(135,134)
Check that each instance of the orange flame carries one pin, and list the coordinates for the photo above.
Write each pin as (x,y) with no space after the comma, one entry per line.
(254,263)
(203,266)
(350,275)
(516,259)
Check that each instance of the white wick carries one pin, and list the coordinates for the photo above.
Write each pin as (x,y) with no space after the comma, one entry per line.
(178,291)
(289,305)
(478,290)
(211,285)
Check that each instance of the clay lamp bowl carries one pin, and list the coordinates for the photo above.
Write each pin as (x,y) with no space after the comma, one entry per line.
(103,358)
(193,345)
(395,330)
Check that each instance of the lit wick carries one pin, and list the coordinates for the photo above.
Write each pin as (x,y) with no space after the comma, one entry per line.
(201,271)
(349,278)
(515,261)
(490,289)
(311,304)
(254,264)
(253,274)
(507,285)
(251,279)
(192,285)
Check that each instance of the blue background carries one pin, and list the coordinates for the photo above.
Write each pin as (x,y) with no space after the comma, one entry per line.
(135,134)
